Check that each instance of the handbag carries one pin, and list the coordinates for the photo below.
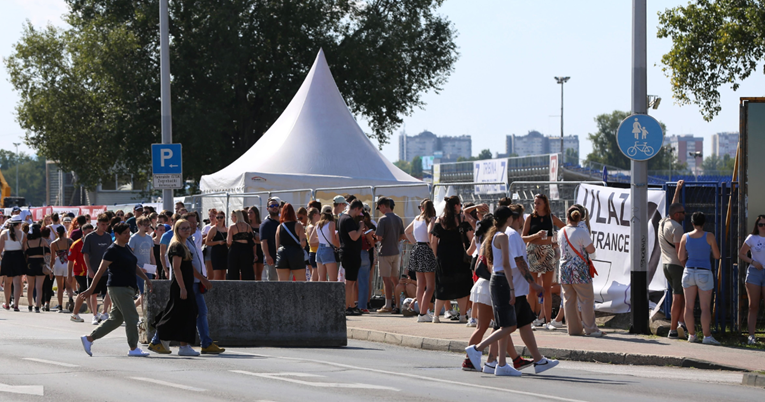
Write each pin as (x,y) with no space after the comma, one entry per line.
(305,253)
(482,268)
(593,271)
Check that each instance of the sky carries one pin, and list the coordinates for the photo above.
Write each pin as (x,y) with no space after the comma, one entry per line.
(503,82)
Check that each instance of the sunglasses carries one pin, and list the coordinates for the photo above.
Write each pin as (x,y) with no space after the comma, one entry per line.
(762,225)
(220,217)
(274,206)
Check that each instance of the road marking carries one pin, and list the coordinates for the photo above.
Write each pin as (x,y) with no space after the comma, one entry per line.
(32,359)
(22,389)
(284,377)
(431,379)
(169,384)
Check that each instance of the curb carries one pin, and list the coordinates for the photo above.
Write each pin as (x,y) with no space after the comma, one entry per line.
(753,380)
(445,345)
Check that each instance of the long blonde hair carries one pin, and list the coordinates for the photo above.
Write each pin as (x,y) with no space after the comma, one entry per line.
(177,239)
(240,216)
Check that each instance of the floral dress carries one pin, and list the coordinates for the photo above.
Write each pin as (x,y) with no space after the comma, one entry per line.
(573,269)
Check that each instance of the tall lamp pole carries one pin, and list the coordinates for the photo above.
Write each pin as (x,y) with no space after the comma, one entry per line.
(696,155)
(164,62)
(17,167)
(561,81)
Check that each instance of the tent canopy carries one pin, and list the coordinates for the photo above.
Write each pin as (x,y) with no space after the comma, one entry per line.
(315,143)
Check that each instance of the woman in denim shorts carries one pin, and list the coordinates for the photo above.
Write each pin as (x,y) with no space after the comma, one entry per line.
(755,274)
(695,248)
(326,264)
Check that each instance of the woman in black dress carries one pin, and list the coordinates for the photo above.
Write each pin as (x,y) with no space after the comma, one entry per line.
(453,276)
(253,214)
(217,247)
(178,321)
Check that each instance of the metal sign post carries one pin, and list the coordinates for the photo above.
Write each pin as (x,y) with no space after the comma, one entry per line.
(167,123)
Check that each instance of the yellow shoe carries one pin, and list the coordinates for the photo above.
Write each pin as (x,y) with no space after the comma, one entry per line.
(213,349)
(159,348)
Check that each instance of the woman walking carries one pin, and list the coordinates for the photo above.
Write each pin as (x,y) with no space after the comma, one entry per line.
(178,321)
(695,248)
(313,241)
(538,233)
(241,255)
(421,259)
(575,276)
(755,274)
(35,250)
(290,240)
(59,250)
(122,267)
(326,262)
(253,213)
(218,247)
(13,264)
(453,277)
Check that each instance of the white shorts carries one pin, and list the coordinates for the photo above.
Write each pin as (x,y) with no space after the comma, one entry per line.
(480,292)
(59,269)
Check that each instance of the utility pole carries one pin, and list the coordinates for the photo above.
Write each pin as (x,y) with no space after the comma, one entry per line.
(167,122)
(561,81)
(17,167)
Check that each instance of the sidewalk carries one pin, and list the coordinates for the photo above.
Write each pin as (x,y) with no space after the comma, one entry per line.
(617,347)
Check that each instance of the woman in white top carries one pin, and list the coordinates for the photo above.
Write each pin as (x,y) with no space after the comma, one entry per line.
(755,274)
(13,265)
(421,259)
(326,263)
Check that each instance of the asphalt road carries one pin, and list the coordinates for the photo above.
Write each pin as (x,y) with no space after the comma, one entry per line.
(41,358)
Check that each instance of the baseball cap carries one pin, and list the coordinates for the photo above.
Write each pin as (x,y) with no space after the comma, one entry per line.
(276,199)
(366,207)
(16,209)
(67,219)
(339,199)
(139,206)
(326,209)
(16,219)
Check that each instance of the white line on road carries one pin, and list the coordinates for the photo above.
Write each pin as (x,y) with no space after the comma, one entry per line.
(32,359)
(283,377)
(169,384)
(22,389)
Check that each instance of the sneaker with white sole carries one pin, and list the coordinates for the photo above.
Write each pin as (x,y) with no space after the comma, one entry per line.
(710,340)
(137,352)
(751,340)
(692,339)
(95,319)
(187,351)
(436,320)
(474,355)
(506,370)
(76,318)
(596,334)
(488,368)
(424,318)
(553,325)
(104,316)
(86,344)
(463,319)
(544,365)
(538,322)
(472,322)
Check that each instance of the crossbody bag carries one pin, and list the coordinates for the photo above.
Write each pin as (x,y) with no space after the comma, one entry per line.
(305,253)
(593,271)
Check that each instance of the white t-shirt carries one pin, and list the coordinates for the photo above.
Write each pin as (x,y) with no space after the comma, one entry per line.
(197,236)
(206,230)
(53,236)
(757,245)
(517,249)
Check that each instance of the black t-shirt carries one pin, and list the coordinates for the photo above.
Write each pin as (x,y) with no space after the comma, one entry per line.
(268,232)
(346,225)
(123,266)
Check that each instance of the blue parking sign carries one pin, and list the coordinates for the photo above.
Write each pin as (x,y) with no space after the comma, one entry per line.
(166,159)
(640,137)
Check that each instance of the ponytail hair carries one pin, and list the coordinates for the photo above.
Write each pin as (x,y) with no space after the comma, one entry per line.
(427,211)
(574,215)
(501,215)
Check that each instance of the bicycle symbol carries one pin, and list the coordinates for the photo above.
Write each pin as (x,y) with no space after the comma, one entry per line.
(642,147)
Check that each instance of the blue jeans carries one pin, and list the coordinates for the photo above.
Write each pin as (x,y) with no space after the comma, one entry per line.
(202,327)
(363,280)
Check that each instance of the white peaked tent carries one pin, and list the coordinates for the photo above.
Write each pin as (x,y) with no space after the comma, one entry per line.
(315,143)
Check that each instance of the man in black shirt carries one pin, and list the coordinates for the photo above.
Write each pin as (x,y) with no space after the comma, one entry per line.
(350,233)
(268,238)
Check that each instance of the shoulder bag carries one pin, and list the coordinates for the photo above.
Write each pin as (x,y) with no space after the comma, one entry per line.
(593,271)
(305,253)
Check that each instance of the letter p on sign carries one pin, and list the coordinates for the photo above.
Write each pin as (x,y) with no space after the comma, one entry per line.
(165,154)
(166,159)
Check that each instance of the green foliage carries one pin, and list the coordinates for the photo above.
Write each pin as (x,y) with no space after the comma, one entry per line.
(606,151)
(716,163)
(90,94)
(404,165)
(416,167)
(714,43)
(572,156)
(31,169)
(484,154)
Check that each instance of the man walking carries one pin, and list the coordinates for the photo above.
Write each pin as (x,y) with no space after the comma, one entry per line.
(390,231)
(94,247)
(268,239)
(350,251)
(670,235)
(132,221)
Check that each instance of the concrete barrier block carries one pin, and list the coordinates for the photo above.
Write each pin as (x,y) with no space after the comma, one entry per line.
(458,346)
(436,344)
(393,339)
(753,380)
(376,336)
(411,341)
(358,334)
(250,313)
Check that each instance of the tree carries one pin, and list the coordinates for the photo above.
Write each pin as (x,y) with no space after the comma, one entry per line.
(31,176)
(404,165)
(715,163)
(90,93)
(606,151)
(484,154)
(714,43)
(416,167)
(572,156)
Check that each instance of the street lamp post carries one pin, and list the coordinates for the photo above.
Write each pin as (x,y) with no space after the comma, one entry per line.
(561,81)
(696,156)
(17,167)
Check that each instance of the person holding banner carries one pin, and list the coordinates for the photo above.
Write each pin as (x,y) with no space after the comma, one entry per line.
(694,249)
(539,235)
(755,274)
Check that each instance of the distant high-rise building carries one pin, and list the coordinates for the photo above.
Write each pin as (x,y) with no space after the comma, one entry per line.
(534,143)
(428,144)
(684,145)
(724,144)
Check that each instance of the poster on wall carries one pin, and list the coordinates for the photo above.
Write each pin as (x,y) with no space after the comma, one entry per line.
(554,195)
(490,171)
(609,210)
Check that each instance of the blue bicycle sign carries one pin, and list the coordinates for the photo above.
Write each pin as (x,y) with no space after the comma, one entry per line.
(640,137)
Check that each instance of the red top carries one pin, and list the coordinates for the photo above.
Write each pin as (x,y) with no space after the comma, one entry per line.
(75,254)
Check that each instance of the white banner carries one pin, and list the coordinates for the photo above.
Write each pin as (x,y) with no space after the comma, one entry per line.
(554,195)
(609,210)
(490,171)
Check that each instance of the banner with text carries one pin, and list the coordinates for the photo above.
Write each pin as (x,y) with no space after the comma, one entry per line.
(490,171)
(610,211)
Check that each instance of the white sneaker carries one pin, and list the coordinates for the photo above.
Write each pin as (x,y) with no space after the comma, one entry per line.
(95,320)
(425,318)
(449,314)
(710,340)
(544,365)
(86,344)
(692,338)
(474,355)
(553,325)
(488,368)
(596,334)
(472,322)
(137,352)
(538,322)
(463,319)
(436,320)
(187,351)
(76,318)
(751,340)
(506,370)
(104,316)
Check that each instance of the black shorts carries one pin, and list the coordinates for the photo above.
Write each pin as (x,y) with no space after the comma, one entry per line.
(35,267)
(290,257)
(312,259)
(504,313)
(351,264)
(82,282)
(524,315)
(100,286)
